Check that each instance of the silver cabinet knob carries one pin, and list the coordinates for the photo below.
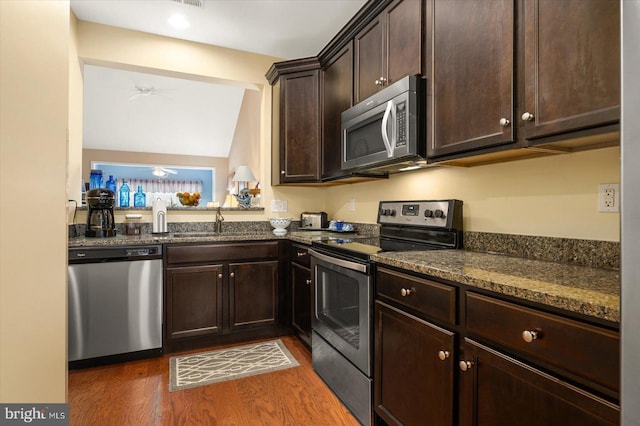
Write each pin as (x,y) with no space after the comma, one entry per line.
(465,365)
(308,282)
(442,355)
(527,116)
(531,335)
(232,274)
(282,172)
(406,292)
(504,122)
(220,276)
(381,81)
(301,253)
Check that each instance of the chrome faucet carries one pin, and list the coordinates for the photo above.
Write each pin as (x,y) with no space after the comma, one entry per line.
(219,220)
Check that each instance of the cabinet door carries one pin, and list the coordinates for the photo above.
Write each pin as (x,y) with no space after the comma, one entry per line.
(253,298)
(575,84)
(300,127)
(368,66)
(194,301)
(389,48)
(472,76)
(403,39)
(413,380)
(301,299)
(498,390)
(337,89)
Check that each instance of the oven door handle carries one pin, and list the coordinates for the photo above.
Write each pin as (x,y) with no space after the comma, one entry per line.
(354,266)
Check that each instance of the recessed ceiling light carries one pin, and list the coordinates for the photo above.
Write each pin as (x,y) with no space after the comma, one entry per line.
(179,22)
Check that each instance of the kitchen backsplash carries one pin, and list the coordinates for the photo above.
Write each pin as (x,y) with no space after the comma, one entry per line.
(597,254)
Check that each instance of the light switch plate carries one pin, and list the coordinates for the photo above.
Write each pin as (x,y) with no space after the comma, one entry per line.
(279,206)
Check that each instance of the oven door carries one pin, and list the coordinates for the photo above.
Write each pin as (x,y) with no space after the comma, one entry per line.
(342,308)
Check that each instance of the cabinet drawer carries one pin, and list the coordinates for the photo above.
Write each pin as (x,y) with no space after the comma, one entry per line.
(430,298)
(204,253)
(300,255)
(581,349)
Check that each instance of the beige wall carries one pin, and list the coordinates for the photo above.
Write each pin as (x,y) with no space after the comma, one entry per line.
(245,149)
(34,112)
(551,196)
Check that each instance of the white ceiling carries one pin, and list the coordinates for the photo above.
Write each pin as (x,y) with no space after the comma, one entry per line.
(282,28)
(182,116)
(131,111)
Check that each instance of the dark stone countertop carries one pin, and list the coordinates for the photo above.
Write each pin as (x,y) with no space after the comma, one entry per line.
(589,291)
(304,237)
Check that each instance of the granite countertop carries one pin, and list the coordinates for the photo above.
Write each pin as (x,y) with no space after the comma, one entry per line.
(589,291)
(304,237)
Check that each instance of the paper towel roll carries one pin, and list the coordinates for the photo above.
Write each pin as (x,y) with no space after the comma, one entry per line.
(159,209)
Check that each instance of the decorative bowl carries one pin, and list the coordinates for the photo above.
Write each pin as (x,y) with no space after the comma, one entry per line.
(280,225)
(187,199)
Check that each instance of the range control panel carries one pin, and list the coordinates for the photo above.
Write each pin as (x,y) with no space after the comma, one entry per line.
(445,214)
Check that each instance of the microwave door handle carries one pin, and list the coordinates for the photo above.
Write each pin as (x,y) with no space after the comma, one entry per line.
(383,129)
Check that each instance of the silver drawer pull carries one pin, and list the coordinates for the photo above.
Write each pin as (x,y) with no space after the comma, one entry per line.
(465,365)
(407,292)
(531,335)
(300,254)
(308,282)
(443,355)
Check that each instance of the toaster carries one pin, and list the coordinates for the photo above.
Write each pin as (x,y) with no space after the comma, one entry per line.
(313,220)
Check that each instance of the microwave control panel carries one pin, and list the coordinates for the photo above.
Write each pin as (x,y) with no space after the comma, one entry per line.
(401,125)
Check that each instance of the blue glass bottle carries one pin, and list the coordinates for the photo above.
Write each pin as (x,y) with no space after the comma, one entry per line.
(139,198)
(124,195)
(95,179)
(111,184)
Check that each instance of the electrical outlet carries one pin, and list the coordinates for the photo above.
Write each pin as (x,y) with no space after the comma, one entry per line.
(609,197)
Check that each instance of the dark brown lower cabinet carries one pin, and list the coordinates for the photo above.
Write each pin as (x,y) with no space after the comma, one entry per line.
(499,390)
(253,296)
(301,302)
(222,293)
(414,369)
(194,301)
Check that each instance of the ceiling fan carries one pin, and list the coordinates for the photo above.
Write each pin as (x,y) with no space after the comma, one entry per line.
(146,91)
(162,172)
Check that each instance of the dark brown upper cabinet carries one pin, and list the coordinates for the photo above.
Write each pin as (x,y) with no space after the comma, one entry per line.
(571,72)
(388,48)
(509,74)
(337,89)
(472,75)
(295,121)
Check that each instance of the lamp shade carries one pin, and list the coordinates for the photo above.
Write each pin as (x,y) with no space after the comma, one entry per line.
(244,174)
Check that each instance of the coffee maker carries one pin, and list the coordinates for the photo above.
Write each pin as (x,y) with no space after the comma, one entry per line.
(100,220)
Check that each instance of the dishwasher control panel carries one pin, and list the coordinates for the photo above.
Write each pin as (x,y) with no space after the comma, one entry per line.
(114,253)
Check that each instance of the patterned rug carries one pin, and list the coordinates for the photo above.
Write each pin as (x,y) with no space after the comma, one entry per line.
(204,368)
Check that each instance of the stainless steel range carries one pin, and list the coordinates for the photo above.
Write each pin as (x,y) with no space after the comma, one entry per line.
(343,289)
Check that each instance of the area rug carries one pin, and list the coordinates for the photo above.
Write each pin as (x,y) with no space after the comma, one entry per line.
(204,368)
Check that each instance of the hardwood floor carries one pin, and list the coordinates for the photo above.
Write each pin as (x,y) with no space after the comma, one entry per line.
(137,393)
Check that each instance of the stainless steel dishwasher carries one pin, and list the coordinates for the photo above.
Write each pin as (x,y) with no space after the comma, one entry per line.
(115,303)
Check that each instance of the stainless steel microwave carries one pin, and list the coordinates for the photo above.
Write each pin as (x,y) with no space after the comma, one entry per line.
(385,131)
